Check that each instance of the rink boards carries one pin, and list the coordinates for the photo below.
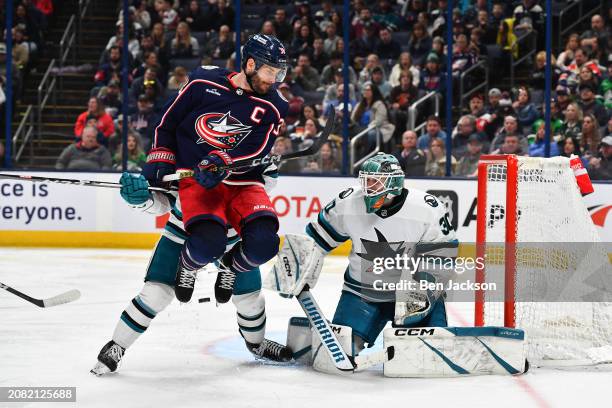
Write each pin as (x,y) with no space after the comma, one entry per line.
(57,215)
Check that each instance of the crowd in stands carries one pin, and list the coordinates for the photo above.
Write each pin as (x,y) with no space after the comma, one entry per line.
(398,54)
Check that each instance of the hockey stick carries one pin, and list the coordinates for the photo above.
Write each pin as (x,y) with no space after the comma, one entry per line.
(328,338)
(60,299)
(271,159)
(90,183)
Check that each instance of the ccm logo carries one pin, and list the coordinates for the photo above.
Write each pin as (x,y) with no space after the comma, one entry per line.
(267,160)
(415,332)
(287,265)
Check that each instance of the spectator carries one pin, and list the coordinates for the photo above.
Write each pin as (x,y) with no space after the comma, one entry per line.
(110,97)
(177,79)
(400,99)
(117,40)
(525,110)
(337,102)
(510,128)
(111,69)
(103,121)
(562,100)
(25,20)
(221,46)
(158,34)
(331,90)
(588,104)
(304,75)
(476,46)
(411,158)
(529,15)
(302,42)
(364,45)
(334,68)
(477,105)
(586,77)
(572,125)
(431,76)
(387,48)
(468,164)
(463,58)
(436,159)
(331,40)
(511,145)
(569,146)
(378,79)
(85,154)
(365,75)
(589,142)
(373,111)
(295,104)
(466,127)
(538,147)
(136,155)
(282,145)
(142,15)
(144,121)
(197,19)
(433,130)
(419,44)
(282,26)
(404,64)
(607,129)
(360,24)
(600,167)
(150,61)
(183,45)
(319,58)
(325,161)
(489,29)
(567,55)
(597,37)
(166,14)
(148,79)
(21,50)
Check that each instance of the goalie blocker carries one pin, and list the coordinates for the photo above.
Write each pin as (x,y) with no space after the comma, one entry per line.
(424,352)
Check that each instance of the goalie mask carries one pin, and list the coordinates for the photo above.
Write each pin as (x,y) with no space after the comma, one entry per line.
(380,177)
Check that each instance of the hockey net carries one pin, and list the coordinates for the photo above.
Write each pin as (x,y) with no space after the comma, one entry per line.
(539,242)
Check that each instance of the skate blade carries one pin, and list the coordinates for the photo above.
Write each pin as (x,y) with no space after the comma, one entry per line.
(100,369)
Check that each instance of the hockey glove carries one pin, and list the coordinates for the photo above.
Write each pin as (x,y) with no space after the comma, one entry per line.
(134,188)
(207,172)
(160,162)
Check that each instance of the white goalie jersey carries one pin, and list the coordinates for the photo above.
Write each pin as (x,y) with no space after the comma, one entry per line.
(415,226)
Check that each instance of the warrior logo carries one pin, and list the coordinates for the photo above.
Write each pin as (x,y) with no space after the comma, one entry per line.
(220,130)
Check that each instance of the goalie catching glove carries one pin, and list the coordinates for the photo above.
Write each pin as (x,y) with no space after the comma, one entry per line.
(298,264)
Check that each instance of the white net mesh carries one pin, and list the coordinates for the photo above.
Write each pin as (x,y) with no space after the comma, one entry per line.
(558,251)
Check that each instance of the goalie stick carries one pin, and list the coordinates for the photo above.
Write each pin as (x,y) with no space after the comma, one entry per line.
(256,162)
(60,299)
(328,338)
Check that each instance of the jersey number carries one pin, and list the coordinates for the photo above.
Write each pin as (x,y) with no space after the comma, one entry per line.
(445,225)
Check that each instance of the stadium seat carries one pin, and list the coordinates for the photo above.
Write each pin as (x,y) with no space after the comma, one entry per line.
(201,36)
(251,24)
(188,63)
(254,10)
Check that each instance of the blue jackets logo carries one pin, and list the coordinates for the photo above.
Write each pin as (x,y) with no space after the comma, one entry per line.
(220,130)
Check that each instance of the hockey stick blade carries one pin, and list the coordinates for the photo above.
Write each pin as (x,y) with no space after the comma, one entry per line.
(328,339)
(272,159)
(60,299)
(76,182)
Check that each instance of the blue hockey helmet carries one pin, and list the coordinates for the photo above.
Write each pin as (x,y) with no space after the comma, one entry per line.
(266,50)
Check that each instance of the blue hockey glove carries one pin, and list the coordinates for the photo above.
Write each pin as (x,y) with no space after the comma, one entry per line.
(134,188)
(160,162)
(207,172)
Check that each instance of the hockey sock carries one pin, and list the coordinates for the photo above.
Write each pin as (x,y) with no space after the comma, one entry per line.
(251,316)
(137,316)
(259,244)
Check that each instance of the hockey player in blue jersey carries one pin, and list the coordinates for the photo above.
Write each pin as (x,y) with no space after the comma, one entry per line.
(218,118)
(157,292)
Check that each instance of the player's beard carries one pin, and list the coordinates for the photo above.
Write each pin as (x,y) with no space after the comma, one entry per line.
(256,83)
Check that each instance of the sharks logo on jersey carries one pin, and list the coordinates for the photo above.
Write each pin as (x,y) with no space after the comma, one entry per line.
(381,248)
(221,130)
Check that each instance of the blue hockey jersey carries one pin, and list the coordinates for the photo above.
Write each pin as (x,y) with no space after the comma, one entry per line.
(211,113)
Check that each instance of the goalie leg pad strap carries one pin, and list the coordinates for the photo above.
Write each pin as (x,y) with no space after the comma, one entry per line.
(452,352)
(251,316)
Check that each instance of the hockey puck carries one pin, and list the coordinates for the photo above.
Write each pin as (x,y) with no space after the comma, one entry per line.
(204,300)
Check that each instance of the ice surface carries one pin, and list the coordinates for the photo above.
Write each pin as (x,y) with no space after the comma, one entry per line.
(193,356)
